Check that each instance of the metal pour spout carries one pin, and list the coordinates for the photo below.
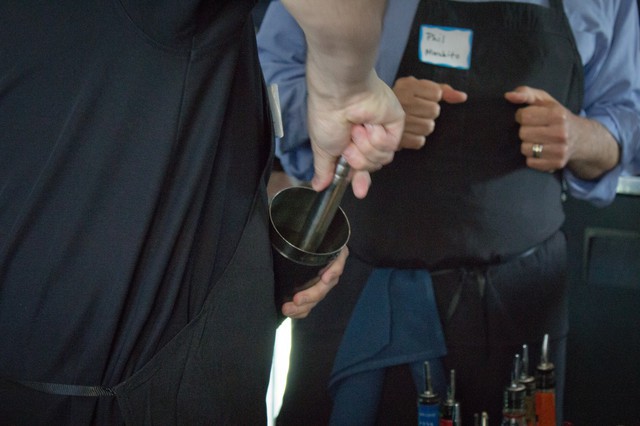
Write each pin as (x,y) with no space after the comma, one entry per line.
(324,209)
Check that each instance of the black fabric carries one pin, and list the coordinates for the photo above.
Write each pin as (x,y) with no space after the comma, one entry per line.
(135,144)
(470,190)
(213,371)
(501,308)
(466,200)
(397,404)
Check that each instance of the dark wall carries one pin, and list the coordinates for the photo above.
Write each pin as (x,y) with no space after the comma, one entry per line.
(603,365)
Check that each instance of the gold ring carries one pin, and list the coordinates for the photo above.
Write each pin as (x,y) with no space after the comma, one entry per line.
(537,150)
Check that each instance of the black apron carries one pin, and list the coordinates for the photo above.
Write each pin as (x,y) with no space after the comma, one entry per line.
(136,280)
(468,197)
(485,224)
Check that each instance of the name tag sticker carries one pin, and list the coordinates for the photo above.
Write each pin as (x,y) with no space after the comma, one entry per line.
(446,46)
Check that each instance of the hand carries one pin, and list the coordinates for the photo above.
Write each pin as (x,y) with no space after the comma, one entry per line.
(304,301)
(546,126)
(562,138)
(420,101)
(365,127)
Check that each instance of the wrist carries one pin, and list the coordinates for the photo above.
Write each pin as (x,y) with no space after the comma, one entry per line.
(341,86)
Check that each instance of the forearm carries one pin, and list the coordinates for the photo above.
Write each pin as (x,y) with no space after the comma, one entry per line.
(596,151)
(342,39)
(612,88)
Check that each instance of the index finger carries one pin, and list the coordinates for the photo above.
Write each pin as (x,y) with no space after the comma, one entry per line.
(428,90)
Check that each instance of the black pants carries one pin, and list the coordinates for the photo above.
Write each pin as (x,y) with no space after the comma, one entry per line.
(499,308)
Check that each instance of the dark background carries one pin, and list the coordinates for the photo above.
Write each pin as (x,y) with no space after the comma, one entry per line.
(603,353)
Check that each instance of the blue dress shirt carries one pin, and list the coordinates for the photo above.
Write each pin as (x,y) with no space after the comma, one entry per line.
(607,34)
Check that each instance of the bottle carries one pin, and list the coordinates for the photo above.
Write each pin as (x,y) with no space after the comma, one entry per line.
(529,383)
(545,388)
(481,419)
(450,410)
(513,408)
(428,402)
(484,420)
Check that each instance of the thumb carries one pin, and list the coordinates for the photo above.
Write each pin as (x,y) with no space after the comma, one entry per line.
(527,95)
(451,95)
(324,166)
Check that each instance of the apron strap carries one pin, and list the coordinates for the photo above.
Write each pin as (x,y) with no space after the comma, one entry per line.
(556,4)
(66,390)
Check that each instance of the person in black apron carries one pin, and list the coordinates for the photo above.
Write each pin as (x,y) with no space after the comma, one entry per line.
(467,208)
(136,276)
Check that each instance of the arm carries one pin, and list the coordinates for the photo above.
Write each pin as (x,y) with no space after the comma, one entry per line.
(351,112)
(282,50)
(612,92)
(597,144)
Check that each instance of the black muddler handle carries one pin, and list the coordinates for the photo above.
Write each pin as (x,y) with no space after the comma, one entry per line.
(324,209)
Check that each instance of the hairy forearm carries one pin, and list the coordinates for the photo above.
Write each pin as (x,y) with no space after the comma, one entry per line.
(596,151)
(342,39)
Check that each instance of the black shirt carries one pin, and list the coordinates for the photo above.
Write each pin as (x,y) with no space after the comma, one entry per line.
(133,141)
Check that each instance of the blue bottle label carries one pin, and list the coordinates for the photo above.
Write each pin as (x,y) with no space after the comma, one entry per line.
(428,415)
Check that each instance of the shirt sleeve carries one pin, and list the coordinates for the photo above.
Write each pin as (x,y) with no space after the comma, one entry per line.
(608,38)
(282,51)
